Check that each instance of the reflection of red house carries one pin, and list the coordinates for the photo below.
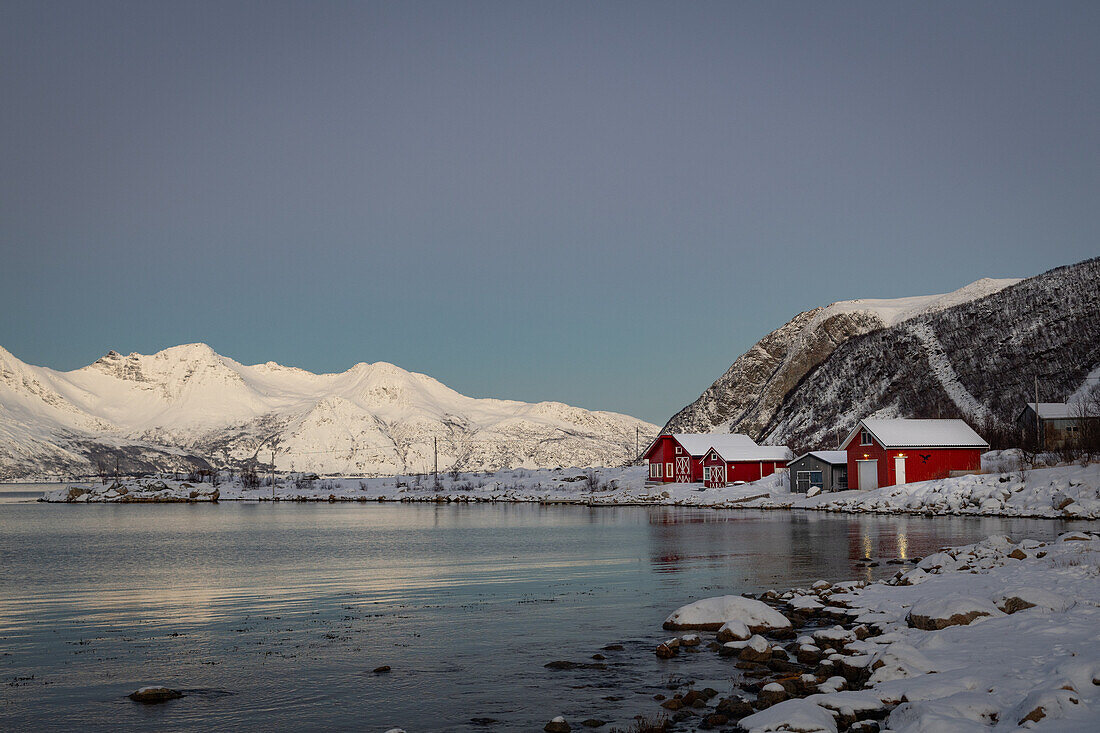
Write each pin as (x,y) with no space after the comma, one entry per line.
(714,459)
(887,452)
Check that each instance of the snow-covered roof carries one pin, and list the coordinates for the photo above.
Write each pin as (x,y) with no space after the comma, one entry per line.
(755,453)
(910,433)
(1057,410)
(697,444)
(833,457)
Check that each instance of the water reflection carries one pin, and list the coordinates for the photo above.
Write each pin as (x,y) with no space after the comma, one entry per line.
(290,606)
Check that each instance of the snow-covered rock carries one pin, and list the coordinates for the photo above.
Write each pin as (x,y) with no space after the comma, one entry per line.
(733,631)
(710,614)
(1037,668)
(1020,599)
(932,614)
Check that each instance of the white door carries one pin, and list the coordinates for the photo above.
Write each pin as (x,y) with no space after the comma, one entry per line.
(899,470)
(717,477)
(683,470)
(868,475)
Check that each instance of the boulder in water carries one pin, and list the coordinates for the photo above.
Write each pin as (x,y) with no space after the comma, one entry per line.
(154,694)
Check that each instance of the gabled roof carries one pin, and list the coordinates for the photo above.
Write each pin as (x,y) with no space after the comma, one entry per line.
(1057,410)
(753,453)
(909,433)
(832,457)
(697,444)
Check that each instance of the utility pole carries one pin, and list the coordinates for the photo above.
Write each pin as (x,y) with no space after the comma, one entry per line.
(435,460)
(637,432)
(1038,439)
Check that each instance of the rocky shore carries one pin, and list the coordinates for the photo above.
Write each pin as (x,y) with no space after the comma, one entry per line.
(1070,491)
(992,636)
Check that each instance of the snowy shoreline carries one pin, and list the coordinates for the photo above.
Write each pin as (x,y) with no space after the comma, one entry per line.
(1060,492)
(994,636)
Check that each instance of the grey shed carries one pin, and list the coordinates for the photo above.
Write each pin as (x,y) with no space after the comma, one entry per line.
(825,469)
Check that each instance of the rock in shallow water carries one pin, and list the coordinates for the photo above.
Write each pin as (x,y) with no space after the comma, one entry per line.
(710,614)
(154,694)
(557,725)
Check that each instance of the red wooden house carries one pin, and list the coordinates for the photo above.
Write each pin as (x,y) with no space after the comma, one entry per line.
(714,459)
(892,451)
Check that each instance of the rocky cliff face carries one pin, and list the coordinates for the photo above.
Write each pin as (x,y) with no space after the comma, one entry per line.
(973,354)
(978,361)
(190,407)
(748,396)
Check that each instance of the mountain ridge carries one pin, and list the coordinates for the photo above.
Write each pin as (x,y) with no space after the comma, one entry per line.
(189,402)
(959,354)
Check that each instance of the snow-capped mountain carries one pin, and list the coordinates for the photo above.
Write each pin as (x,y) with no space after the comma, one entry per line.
(973,353)
(188,406)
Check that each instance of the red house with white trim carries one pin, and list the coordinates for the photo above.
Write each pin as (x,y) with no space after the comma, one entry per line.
(714,459)
(893,451)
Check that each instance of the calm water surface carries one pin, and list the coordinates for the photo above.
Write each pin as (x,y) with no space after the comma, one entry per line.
(275,615)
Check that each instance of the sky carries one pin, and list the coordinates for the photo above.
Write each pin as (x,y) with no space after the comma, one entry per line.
(599,203)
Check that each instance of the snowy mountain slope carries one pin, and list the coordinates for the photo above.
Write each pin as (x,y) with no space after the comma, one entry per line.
(188,405)
(971,354)
(747,396)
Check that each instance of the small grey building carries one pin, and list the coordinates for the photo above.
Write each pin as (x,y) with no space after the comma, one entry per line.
(825,469)
(1061,424)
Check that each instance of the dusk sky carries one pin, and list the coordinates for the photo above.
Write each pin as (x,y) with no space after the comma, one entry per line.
(598,203)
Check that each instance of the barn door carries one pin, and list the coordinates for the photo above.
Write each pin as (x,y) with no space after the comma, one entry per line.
(717,477)
(868,475)
(683,470)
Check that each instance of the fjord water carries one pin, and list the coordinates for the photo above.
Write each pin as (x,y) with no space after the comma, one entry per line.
(274,615)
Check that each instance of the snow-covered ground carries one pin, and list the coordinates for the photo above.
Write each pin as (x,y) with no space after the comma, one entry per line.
(987,637)
(1069,491)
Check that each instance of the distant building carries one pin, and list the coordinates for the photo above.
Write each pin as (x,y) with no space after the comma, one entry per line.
(1060,424)
(714,459)
(825,469)
(892,451)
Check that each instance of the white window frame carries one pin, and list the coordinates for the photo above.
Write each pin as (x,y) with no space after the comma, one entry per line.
(865,437)
(806,477)
(706,473)
(679,450)
(655,470)
(670,471)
